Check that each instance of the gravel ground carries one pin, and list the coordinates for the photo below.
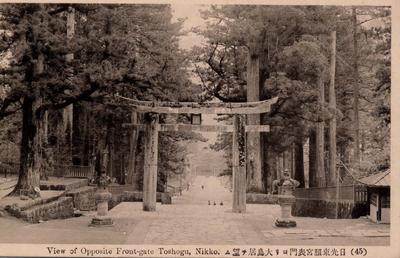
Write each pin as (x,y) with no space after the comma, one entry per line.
(190,220)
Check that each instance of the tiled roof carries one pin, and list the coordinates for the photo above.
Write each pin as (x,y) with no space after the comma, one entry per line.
(378,179)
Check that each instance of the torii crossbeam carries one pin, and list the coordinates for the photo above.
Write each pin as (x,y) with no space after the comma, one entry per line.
(169,107)
(151,127)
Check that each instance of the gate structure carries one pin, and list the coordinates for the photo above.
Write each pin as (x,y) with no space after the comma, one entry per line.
(239,128)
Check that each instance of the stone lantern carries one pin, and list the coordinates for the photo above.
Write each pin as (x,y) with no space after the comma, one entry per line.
(286,200)
(102,196)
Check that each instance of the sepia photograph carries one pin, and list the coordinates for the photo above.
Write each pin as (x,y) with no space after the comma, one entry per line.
(195,124)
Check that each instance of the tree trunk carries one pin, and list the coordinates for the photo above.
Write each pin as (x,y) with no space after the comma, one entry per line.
(276,167)
(254,171)
(313,167)
(86,153)
(267,165)
(133,140)
(332,122)
(356,122)
(299,162)
(110,146)
(68,111)
(111,163)
(44,154)
(77,136)
(272,162)
(139,167)
(306,162)
(292,159)
(321,180)
(281,165)
(29,171)
(286,160)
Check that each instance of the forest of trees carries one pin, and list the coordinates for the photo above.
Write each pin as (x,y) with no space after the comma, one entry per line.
(60,56)
(293,46)
(62,67)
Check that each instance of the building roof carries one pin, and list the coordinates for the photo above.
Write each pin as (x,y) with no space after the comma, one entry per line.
(378,179)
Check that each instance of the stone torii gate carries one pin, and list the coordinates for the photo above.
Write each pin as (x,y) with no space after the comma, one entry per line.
(151,127)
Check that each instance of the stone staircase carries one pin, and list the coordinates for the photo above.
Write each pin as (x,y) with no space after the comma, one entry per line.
(63,184)
(59,199)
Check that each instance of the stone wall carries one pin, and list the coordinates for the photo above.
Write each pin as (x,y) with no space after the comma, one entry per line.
(115,200)
(60,209)
(259,198)
(120,189)
(59,185)
(133,196)
(327,209)
(83,198)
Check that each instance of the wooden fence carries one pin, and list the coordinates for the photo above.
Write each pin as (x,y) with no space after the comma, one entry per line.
(59,171)
(74,171)
(360,193)
(355,193)
(9,169)
(79,171)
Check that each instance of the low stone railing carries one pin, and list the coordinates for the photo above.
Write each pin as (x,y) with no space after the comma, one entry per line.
(74,171)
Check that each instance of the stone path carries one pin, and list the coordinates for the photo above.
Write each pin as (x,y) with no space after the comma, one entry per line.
(190,220)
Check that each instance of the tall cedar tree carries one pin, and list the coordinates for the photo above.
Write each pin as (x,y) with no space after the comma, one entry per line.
(126,49)
(296,48)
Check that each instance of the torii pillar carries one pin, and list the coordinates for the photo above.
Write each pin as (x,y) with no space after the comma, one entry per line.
(239,164)
(150,162)
(254,166)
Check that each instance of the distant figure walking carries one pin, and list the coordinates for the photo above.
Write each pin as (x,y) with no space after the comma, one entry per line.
(209,203)
(215,203)
(221,203)
(202,187)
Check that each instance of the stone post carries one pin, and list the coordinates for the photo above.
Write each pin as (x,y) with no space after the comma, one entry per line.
(102,197)
(286,200)
(150,166)
(239,165)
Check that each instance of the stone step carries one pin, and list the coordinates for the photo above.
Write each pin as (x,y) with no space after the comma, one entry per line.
(63,184)
(59,209)
(120,189)
(14,205)
(83,198)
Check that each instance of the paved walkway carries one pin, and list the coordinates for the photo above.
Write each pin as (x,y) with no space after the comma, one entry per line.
(190,220)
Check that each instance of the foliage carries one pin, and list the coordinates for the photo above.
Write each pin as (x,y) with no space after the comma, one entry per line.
(131,50)
(293,46)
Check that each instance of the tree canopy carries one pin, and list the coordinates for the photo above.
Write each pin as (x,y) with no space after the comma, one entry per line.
(293,45)
(131,50)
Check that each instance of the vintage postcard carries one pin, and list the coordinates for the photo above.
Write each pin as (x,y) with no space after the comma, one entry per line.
(199,129)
